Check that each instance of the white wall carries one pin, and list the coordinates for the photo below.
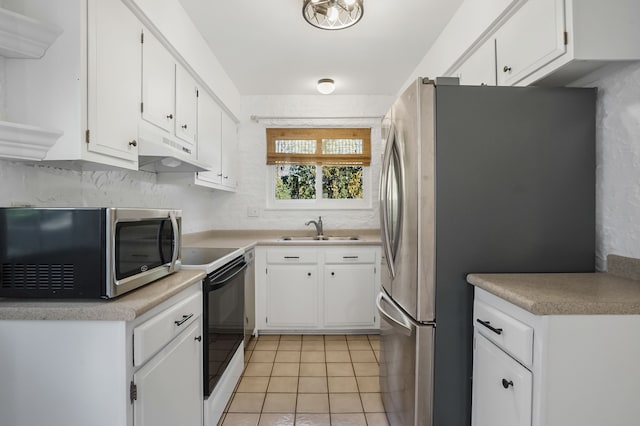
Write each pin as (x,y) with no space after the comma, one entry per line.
(203,209)
(42,186)
(231,212)
(618,161)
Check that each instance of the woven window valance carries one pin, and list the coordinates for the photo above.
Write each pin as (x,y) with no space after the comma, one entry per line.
(319,146)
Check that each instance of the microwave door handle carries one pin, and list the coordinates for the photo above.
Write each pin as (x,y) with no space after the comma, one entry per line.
(176,241)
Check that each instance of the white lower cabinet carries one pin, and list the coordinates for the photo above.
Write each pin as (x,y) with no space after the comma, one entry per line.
(316,288)
(292,296)
(170,384)
(553,370)
(144,372)
(501,387)
(347,288)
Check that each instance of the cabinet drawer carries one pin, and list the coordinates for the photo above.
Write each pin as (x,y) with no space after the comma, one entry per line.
(292,256)
(350,255)
(502,388)
(506,332)
(152,335)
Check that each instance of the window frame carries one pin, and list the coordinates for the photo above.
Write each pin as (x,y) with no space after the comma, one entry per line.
(320,203)
(319,160)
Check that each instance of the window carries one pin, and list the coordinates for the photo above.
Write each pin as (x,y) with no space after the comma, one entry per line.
(319,168)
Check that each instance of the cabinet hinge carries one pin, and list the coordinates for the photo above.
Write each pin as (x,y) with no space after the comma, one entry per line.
(141,107)
(87,136)
(142,37)
(133,392)
(566,38)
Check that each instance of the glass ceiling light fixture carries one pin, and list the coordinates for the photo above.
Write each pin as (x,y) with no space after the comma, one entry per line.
(326,86)
(332,14)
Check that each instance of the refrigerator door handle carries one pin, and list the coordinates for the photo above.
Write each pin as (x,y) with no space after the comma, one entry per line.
(384,197)
(405,325)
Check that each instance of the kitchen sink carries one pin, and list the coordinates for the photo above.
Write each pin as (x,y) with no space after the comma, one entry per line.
(321,238)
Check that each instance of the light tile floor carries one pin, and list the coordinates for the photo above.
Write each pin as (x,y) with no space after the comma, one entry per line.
(309,380)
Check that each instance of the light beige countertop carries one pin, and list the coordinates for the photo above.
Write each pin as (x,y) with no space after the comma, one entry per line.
(616,292)
(250,238)
(135,303)
(123,308)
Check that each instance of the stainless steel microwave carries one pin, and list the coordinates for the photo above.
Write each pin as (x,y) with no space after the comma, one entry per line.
(85,252)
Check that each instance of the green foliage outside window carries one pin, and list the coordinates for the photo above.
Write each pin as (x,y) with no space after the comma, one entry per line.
(342,182)
(295,182)
(298,182)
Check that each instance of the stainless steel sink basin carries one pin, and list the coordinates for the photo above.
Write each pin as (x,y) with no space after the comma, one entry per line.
(321,238)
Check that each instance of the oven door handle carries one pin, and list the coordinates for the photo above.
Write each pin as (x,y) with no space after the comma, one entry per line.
(215,285)
(176,241)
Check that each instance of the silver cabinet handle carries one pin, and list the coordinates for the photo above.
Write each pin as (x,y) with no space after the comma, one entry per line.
(184,319)
(349,257)
(506,68)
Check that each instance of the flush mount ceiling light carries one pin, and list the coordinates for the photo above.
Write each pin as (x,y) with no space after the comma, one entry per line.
(332,14)
(326,86)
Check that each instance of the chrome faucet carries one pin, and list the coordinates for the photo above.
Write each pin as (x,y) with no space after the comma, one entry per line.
(318,226)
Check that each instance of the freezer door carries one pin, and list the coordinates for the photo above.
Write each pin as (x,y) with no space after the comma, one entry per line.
(406,366)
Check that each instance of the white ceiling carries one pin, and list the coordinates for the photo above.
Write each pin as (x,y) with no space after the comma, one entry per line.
(267,48)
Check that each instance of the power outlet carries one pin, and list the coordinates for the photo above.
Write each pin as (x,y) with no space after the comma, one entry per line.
(253,212)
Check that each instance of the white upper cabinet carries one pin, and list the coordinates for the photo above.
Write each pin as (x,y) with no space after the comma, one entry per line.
(480,68)
(87,84)
(209,139)
(229,152)
(553,42)
(112,88)
(158,84)
(186,106)
(531,38)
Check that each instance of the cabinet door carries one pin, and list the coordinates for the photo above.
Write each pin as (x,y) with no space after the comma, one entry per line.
(479,68)
(113,88)
(229,152)
(170,384)
(531,38)
(210,138)
(186,106)
(158,84)
(349,293)
(292,295)
(502,387)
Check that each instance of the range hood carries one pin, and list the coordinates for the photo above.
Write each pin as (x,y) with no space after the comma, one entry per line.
(159,152)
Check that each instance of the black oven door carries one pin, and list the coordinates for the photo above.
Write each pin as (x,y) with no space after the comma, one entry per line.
(223,319)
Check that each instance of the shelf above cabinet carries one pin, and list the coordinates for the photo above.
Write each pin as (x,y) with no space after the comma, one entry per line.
(23,142)
(24,37)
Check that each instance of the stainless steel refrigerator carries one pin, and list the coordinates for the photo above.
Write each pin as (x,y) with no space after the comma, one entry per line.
(474,179)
